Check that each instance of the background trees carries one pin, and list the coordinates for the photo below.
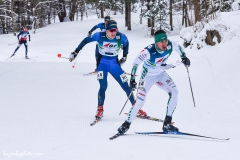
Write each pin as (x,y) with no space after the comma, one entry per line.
(14,14)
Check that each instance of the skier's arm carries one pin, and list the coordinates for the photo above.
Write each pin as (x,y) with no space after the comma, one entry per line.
(142,56)
(182,54)
(94,28)
(125,45)
(87,40)
(19,35)
(178,49)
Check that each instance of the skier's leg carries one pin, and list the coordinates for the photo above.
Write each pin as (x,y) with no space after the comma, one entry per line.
(26,48)
(144,85)
(19,45)
(166,83)
(102,78)
(117,72)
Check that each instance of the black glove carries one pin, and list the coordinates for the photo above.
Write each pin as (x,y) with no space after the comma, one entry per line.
(89,33)
(72,56)
(122,60)
(133,84)
(186,61)
(29,40)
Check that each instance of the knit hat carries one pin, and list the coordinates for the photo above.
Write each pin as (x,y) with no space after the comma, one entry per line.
(160,37)
(107,18)
(111,24)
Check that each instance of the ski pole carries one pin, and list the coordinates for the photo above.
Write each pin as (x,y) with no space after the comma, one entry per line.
(60,56)
(126,102)
(12,43)
(191,87)
(76,59)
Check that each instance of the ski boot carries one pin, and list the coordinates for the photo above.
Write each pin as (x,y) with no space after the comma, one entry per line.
(124,127)
(142,113)
(167,126)
(99,113)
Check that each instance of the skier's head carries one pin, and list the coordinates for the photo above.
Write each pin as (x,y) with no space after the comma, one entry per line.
(111,29)
(161,40)
(107,18)
(25,29)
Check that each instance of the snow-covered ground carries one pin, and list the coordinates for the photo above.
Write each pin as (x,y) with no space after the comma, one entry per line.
(46,106)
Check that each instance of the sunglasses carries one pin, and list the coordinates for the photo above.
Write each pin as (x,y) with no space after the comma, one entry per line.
(113,30)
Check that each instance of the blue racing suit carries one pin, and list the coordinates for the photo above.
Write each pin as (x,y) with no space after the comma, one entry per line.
(108,63)
(23,40)
(102,27)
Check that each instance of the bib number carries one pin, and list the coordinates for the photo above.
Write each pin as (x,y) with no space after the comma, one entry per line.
(100,75)
(141,84)
(123,77)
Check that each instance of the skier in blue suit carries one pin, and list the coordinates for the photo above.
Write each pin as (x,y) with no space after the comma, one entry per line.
(110,44)
(22,38)
(102,27)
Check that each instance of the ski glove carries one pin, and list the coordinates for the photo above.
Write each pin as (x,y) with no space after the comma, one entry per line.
(133,84)
(89,33)
(186,61)
(72,56)
(122,60)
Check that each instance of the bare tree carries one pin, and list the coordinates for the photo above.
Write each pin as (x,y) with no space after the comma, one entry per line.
(170,14)
(61,7)
(197,14)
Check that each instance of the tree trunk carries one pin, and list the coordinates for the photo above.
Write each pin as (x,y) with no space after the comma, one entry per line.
(197,10)
(126,13)
(102,10)
(73,9)
(170,18)
(12,15)
(186,14)
(129,16)
(62,14)
(141,17)
(183,13)
(148,8)
(152,28)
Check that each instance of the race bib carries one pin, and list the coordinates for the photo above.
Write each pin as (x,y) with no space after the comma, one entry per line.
(124,77)
(141,84)
(100,75)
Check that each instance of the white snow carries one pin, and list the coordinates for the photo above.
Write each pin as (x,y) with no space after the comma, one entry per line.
(47,106)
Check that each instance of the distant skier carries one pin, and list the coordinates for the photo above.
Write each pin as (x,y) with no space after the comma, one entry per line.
(110,43)
(102,27)
(22,38)
(154,58)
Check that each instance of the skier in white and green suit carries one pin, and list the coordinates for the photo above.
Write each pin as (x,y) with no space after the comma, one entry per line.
(154,58)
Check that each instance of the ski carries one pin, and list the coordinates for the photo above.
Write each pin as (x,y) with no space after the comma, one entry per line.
(12,43)
(10,57)
(149,118)
(30,59)
(90,73)
(182,134)
(95,72)
(115,136)
(95,121)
